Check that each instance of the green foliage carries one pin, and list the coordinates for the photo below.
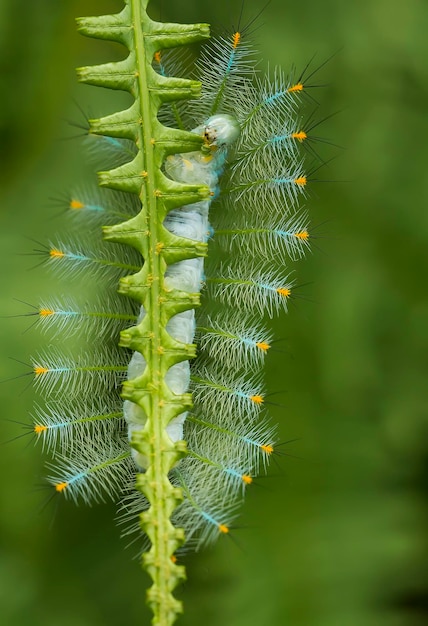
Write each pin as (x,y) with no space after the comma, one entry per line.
(143,176)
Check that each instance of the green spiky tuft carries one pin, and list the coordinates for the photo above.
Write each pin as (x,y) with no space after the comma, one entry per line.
(159,248)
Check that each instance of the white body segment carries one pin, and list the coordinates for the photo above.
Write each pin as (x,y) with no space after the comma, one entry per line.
(190,222)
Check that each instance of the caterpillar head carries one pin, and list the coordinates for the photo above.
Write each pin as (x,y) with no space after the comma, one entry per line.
(221,130)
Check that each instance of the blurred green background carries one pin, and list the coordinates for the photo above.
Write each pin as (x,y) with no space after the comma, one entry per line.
(336,536)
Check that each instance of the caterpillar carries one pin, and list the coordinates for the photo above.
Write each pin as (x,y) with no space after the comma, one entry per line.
(185,248)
